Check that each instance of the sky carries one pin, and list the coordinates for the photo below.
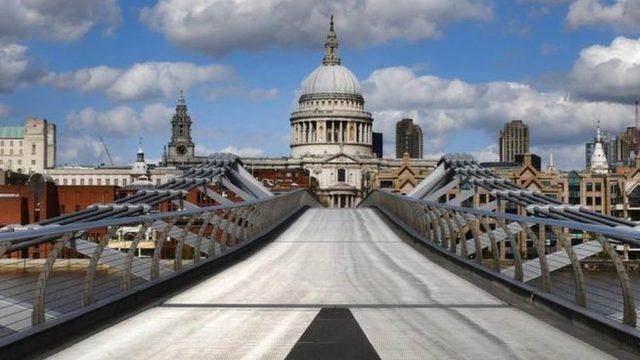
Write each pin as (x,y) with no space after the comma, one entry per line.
(459,68)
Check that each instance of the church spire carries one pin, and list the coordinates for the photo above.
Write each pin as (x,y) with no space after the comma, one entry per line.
(181,98)
(331,56)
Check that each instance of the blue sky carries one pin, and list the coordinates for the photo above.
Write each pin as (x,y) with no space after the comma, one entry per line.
(460,68)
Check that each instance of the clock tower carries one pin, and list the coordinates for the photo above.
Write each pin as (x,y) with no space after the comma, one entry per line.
(181,146)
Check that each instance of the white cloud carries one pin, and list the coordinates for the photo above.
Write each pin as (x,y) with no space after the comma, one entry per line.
(244,151)
(608,72)
(263,94)
(566,156)
(60,20)
(15,67)
(121,121)
(444,107)
(222,26)
(81,149)
(142,80)
(623,15)
(4,111)
(237,91)
(488,154)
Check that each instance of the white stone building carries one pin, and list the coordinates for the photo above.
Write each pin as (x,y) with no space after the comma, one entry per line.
(138,173)
(30,148)
(331,133)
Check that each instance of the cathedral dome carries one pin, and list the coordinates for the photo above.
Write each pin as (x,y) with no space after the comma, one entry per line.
(331,79)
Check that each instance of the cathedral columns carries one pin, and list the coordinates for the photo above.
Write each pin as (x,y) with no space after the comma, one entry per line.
(341,136)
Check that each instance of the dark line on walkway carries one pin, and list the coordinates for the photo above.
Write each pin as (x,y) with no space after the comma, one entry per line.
(331,306)
(333,334)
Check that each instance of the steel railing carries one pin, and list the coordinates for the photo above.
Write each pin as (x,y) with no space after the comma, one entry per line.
(552,257)
(96,261)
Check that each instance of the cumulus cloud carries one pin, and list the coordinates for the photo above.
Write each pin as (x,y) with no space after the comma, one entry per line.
(622,15)
(444,107)
(237,91)
(608,72)
(140,81)
(81,149)
(59,20)
(121,121)
(222,26)
(242,151)
(15,67)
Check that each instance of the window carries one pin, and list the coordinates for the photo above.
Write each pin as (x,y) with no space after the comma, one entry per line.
(598,187)
(90,181)
(107,181)
(99,181)
(115,182)
(589,186)
(124,182)
(385,184)
(598,201)
(33,162)
(33,149)
(81,181)
(342,175)
(73,181)
(589,201)
(64,182)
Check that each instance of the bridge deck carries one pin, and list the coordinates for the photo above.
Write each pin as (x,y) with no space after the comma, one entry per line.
(406,305)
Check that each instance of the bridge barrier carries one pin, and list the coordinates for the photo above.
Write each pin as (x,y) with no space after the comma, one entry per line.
(85,265)
(456,232)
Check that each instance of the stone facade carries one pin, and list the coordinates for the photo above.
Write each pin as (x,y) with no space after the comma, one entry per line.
(29,149)
(137,173)
(181,149)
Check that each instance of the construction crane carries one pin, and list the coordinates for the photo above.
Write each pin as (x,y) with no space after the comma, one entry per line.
(106,150)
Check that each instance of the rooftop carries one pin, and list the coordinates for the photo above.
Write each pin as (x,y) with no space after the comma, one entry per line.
(11,132)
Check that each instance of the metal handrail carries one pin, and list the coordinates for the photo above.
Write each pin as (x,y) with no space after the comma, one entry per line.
(43,234)
(626,233)
(57,291)
(496,241)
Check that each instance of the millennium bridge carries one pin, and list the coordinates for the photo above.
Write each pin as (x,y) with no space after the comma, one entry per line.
(434,274)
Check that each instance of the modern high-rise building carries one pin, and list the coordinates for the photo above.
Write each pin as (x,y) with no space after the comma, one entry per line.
(514,140)
(28,149)
(377,144)
(408,139)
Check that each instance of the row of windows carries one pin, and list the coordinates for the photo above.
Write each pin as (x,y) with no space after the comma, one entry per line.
(10,152)
(19,162)
(597,201)
(10,142)
(590,186)
(333,102)
(107,182)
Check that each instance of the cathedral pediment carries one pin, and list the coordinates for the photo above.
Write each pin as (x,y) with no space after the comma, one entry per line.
(341,159)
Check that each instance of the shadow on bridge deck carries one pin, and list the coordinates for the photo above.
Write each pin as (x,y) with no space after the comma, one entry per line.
(406,305)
